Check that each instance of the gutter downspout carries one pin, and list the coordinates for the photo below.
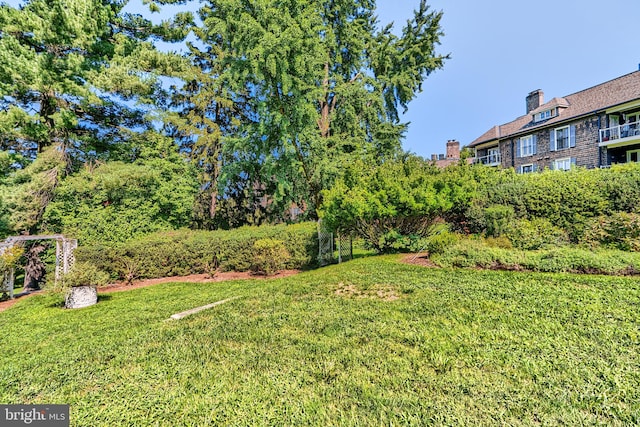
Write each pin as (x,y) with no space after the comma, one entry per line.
(598,140)
(513,159)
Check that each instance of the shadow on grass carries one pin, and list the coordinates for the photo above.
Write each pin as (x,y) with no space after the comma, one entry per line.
(104,297)
(58,304)
(364,254)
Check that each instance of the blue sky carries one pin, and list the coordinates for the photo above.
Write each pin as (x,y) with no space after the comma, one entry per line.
(503,49)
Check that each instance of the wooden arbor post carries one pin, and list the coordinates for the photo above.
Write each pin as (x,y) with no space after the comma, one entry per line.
(8,278)
(64,257)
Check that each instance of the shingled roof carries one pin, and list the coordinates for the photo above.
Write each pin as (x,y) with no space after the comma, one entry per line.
(597,98)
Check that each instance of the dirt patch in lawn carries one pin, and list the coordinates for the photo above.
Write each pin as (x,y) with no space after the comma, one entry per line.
(193,278)
(8,303)
(418,259)
(385,293)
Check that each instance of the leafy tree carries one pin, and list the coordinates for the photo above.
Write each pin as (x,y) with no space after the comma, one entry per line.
(117,201)
(389,205)
(321,86)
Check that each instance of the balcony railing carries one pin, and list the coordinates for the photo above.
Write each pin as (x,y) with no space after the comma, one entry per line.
(627,130)
(489,160)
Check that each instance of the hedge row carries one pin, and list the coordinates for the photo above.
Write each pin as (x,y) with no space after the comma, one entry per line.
(568,200)
(183,252)
(393,204)
(479,253)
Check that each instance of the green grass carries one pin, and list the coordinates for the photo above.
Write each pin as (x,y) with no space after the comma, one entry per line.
(458,347)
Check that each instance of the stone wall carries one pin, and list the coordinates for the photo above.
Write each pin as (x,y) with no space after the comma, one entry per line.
(586,151)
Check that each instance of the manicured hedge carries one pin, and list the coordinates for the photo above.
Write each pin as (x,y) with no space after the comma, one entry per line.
(183,252)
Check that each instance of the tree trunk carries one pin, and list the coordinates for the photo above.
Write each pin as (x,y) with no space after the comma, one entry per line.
(48,108)
(323,121)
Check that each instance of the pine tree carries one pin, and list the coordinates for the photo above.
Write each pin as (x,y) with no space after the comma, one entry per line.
(78,74)
(79,80)
(203,113)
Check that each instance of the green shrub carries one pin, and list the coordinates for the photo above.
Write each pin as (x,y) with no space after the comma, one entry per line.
(269,257)
(475,253)
(85,274)
(535,234)
(469,253)
(117,202)
(578,260)
(501,242)
(391,205)
(621,184)
(103,257)
(498,218)
(440,240)
(183,252)
(620,230)
(568,200)
(388,205)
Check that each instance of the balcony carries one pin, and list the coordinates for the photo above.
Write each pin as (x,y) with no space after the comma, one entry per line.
(493,159)
(620,135)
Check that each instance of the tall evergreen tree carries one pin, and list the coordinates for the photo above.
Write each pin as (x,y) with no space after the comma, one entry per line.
(203,111)
(324,82)
(75,73)
(78,78)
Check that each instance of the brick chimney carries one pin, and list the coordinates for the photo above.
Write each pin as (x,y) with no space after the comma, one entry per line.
(534,100)
(453,149)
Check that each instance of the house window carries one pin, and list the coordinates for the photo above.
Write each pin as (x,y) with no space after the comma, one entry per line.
(526,146)
(563,138)
(633,156)
(527,168)
(563,164)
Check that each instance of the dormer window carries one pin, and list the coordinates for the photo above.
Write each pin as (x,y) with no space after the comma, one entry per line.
(544,115)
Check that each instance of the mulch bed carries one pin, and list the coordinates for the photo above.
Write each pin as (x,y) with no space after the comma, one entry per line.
(420,259)
(193,278)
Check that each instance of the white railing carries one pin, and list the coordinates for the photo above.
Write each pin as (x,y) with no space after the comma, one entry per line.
(618,132)
(491,159)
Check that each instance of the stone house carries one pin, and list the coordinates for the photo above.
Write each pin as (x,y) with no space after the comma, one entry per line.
(596,127)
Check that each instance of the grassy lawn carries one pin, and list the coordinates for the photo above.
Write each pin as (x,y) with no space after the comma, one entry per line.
(369,342)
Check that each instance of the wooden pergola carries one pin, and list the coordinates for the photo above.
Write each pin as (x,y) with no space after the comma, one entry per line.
(64,256)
